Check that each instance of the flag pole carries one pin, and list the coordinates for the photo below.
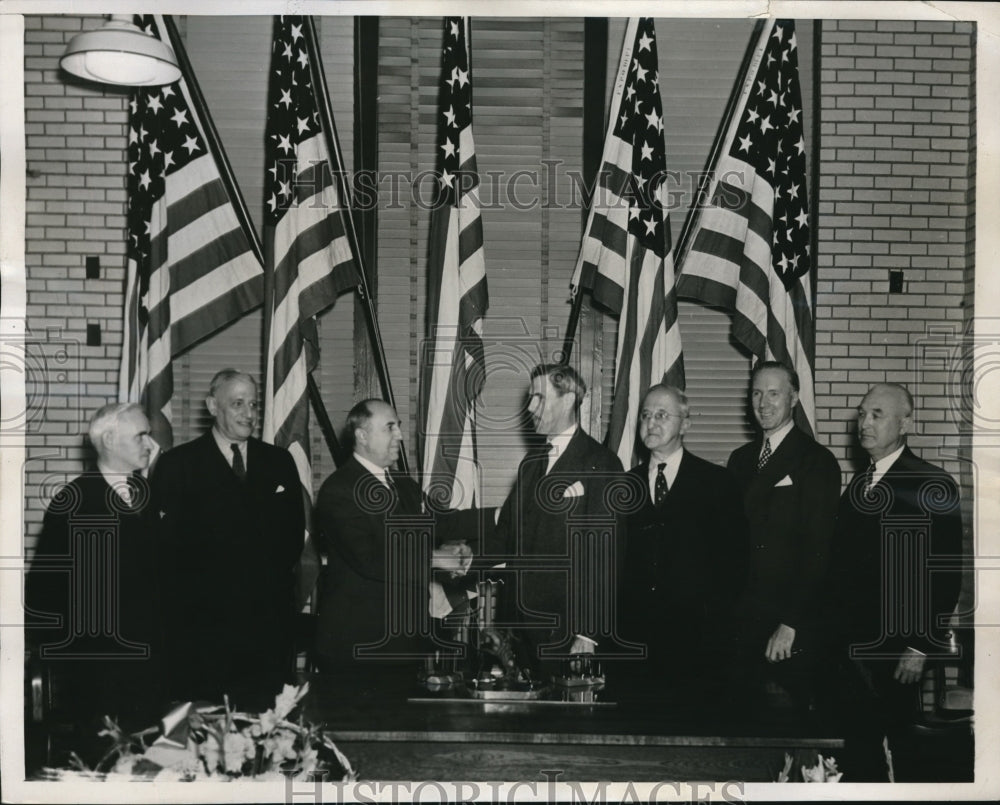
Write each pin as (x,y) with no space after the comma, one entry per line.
(713,157)
(242,214)
(213,139)
(340,173)
(571,325)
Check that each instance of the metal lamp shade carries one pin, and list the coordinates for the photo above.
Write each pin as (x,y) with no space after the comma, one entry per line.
(120,53)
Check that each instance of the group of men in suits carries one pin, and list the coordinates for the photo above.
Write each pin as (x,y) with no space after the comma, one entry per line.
(829,595)
(177,588)
(761,566)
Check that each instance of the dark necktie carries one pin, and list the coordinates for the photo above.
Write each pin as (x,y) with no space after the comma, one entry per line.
(765,454)
(660,487)
(869,479)
(238,466)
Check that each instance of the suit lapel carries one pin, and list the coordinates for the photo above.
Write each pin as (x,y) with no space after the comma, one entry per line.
(570,458)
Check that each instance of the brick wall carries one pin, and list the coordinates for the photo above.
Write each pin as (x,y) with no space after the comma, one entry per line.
(896,115)
(896,191)
(75,139)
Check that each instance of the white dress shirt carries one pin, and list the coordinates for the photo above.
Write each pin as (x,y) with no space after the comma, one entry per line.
(883,464)
(777,437)
(225,445)
(382,473)
(673,462)
(559,443)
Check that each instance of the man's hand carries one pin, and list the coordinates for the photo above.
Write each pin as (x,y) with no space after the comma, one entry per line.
(910,667)
(779,647)
(455,557)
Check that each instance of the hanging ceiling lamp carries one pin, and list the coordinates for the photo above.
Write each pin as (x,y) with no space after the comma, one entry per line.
(120,53)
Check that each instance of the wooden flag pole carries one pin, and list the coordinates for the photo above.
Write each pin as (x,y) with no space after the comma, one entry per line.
(333,147)
(242,213)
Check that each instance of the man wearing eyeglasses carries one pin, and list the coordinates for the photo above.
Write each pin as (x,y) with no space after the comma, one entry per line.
(686,546)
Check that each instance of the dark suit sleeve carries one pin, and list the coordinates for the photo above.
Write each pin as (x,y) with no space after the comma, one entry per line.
(942,498)
(732,540)
(820,496)
(289,510)
(46,591)
(356,536)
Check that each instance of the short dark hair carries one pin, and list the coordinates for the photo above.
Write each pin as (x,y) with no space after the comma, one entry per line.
(564,378)
(793,376)
(358,417)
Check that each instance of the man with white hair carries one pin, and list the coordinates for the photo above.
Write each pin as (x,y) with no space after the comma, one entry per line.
(888,609)
(91,594)
(687,547)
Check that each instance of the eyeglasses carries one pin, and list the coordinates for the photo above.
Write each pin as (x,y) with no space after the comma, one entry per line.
(658,416)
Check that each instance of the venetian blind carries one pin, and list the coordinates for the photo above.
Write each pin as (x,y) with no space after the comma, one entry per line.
(527,106)
(230,57)
(699,61)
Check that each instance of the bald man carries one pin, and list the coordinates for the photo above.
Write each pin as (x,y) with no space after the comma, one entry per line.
(356,509)
(886,609)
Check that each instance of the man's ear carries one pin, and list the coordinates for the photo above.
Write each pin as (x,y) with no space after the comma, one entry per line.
(211,404)
(905,424)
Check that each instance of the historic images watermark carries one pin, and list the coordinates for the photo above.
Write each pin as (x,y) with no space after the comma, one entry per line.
(549,186)
(547,789)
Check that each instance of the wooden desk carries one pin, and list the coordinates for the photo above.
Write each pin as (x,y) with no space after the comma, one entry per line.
(388,736)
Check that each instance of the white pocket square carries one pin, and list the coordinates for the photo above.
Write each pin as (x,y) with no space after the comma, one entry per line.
(279,489)
(574,491)
(786,481)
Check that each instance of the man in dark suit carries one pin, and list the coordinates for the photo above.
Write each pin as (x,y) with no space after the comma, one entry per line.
(561,482)
(233,523)
(888,613)
(686,547)
(92,592)
(358,508)
(790,486)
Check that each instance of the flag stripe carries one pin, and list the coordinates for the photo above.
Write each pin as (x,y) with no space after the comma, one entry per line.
(749,247)
(453,369)
(626,258)
(191,265)
(307,253)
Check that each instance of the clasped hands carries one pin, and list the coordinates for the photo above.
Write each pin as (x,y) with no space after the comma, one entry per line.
(455,557)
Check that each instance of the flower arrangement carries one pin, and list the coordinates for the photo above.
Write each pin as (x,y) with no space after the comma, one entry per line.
(216,743)
(825,771)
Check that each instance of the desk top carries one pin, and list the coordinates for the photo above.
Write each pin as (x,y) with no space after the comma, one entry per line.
(387,704)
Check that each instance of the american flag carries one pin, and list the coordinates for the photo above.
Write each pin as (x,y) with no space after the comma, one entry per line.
(306,247)
(626,257)
(191,268)
(457,299)
(749,244)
